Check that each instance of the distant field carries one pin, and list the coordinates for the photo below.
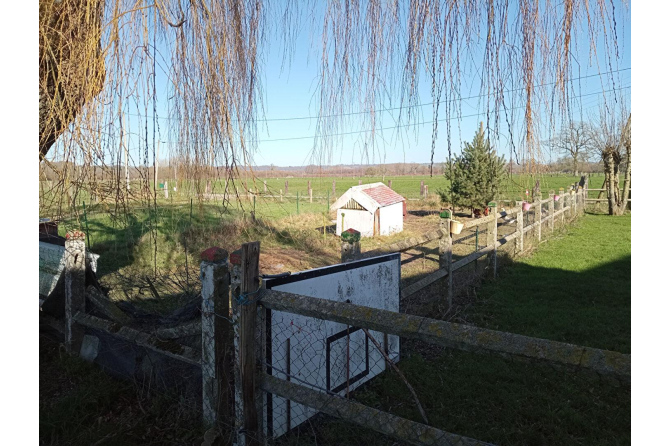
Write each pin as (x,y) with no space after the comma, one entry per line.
(268,205)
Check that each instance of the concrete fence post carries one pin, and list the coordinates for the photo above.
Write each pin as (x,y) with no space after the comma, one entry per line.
(494,236)
(425,191)
(281,196)
(519,227)
(216,336)
(310,194)
(265,186)
(75,288)
(350,245)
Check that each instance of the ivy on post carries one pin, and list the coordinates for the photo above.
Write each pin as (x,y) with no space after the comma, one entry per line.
(216,336)
(494,236)
(350,245)
(446,249)
(75,288)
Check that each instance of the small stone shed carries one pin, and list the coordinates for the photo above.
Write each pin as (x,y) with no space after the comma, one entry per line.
(372,209)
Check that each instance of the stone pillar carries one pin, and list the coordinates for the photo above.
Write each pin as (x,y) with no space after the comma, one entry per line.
(350,245)
(75,288)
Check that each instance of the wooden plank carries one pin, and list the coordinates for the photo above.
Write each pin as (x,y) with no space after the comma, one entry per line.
(361,415)
(479,221)
(408,243)
(448,334)
(597,200)
(423,283)
(471,258)
(106,306)
(167,348)
(187,329)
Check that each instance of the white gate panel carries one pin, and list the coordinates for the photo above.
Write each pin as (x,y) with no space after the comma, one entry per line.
(324,355)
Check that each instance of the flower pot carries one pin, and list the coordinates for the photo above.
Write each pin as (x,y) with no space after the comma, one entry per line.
(556,197)
(525,206)
(456,227)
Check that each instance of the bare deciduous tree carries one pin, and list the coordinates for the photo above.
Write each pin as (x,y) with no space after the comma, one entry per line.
(575,141)
(613,142)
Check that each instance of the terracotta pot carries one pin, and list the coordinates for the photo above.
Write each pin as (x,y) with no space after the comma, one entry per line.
(456,227)
(525,206)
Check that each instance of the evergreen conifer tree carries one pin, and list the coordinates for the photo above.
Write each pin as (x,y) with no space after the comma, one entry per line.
(475,175)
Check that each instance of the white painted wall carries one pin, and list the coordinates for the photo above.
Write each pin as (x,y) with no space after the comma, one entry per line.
(305,338)
(361,221)
(391,219)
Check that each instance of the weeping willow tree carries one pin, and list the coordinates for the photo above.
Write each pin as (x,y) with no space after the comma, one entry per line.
(100,60)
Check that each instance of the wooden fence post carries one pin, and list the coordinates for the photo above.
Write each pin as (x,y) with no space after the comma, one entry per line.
(75,288)
(445,251)
(519,227)
(538,218)
(309,185)
(265,186)
(360,182)
(552,210)
(334,196)
(216,336)
(244,296)
(310,194)
(391,184)
(281,196)
(561,205)
(494,236)
(421,193)
(285,187)
(425,192)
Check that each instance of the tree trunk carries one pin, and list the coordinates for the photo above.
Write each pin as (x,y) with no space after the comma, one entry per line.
(626,181)
(609,176)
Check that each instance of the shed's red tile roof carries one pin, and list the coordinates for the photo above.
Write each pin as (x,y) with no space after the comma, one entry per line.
(383,195)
